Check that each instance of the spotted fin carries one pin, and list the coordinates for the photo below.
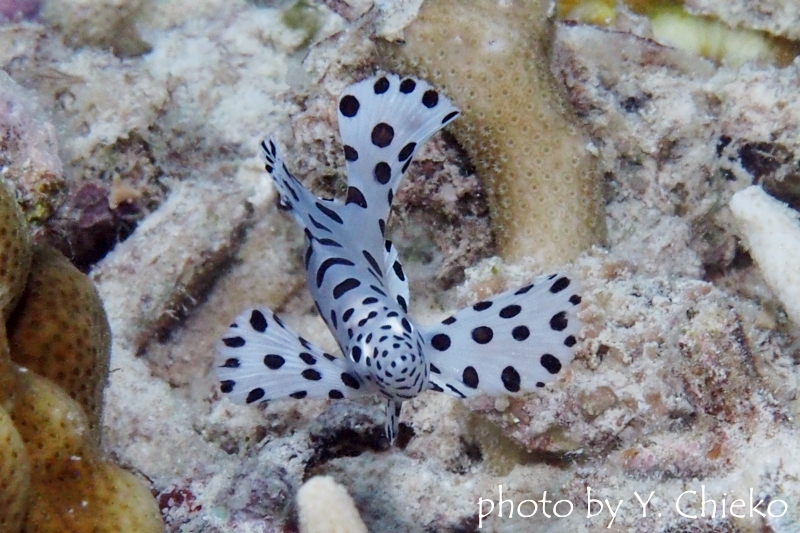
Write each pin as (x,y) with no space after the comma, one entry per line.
(392,419)
(514,342)
(322,217)
(383,121)
(396,278)
(260,359)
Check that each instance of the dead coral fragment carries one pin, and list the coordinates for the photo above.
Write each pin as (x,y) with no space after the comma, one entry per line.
(674,25)
(771,231)
(716,40)
(28,151)
(600,12)
(492,60)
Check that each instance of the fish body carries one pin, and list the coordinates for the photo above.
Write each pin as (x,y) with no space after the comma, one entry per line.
(512,343)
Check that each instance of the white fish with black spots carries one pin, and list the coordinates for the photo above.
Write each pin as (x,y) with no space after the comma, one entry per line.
(513,343)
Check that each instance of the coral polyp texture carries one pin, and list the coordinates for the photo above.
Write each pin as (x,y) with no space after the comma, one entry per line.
(72,488)
(60,331)
(53,426)
(15,255)
(53,477)
(492,59)
(14,474)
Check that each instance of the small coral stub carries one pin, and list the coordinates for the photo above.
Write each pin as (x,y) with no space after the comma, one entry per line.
(771,231)
(326,507)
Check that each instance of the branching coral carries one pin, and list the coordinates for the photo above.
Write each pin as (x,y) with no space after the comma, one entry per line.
(492,59)
(52,475)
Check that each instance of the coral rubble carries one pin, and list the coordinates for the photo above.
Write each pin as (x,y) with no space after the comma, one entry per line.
(28,151)
(18,9)
(107,24)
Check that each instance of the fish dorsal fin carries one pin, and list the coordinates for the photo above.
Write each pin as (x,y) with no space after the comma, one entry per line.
(383,121)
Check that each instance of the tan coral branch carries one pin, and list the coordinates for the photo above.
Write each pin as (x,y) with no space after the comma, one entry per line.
(491,58)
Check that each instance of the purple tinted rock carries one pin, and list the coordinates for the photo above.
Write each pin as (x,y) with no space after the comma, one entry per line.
(18,9)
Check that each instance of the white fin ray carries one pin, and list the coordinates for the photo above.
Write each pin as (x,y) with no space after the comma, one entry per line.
(512,343)
(383,121)
(260,359)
